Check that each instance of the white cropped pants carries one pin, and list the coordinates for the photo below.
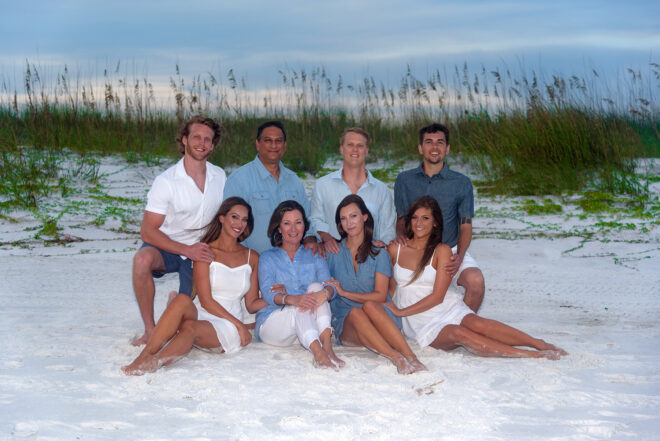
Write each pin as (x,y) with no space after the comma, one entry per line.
(284,326)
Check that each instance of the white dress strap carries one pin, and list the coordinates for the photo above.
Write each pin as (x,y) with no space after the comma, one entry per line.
(432,255)
(397,254)
(249,251)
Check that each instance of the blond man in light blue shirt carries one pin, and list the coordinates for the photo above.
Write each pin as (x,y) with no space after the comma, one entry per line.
(352,178)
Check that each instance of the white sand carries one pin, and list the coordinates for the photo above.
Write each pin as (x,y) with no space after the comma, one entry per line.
(68,315)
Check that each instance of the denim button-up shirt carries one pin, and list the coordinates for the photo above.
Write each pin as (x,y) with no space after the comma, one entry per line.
(452,190)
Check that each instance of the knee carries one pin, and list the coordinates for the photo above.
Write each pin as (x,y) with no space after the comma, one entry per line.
(473,280)
(188,327)
(371,307)
(456,333)
(143,261)
(357,314)
(477,324)
(181,302)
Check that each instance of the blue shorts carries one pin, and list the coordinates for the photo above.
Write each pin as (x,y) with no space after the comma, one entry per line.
(175,264)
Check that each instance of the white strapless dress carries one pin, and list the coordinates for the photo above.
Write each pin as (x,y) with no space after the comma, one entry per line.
(425,326)
(228,287)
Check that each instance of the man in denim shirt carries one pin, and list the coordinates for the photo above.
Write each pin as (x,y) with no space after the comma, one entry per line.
(453,192)
(265,182)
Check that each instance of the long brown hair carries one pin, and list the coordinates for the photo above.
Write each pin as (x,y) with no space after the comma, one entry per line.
(214,228)
(366,248)
(436,232)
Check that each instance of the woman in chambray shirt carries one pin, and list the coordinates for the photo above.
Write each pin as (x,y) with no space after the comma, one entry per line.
(289,277)
(361,275)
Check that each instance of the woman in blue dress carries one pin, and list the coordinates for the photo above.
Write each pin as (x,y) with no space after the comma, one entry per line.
(361,275)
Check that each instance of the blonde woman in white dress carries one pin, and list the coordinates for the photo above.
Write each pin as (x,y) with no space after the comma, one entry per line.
(434,314)
(221,286)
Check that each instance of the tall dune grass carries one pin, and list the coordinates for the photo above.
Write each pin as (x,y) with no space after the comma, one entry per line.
(528,134)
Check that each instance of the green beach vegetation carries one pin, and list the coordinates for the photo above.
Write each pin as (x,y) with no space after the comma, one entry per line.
(525,134)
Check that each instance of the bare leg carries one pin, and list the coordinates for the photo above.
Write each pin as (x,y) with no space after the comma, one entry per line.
(473,281)
(145,261)
(199,332)
(358,330)
(181,309)
(506,334)
(326,343)
(392,335)
(452,336)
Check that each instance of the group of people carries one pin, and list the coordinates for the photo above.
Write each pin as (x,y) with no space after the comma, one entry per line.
(371,269)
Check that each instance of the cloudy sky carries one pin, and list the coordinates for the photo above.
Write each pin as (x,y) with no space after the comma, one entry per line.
(256,38)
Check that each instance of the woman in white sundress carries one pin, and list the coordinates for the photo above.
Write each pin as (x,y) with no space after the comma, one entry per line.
(221,286)
(433,312)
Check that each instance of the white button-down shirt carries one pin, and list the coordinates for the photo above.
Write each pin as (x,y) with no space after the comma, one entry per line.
(186,208)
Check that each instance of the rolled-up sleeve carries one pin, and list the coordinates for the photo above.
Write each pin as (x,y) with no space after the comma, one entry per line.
(466,206)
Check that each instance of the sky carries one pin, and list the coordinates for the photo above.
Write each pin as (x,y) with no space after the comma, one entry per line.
(256,38)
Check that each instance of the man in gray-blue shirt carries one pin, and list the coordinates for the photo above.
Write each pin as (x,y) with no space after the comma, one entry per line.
(453,192)
(265,182)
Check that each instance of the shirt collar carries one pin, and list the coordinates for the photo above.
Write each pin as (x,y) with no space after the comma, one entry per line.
(264,173)
(180,170)
(442,173)
(338,175)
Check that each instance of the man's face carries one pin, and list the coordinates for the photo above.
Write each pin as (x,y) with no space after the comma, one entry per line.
(354,149)
(434,148)
(271,146)
(199,142)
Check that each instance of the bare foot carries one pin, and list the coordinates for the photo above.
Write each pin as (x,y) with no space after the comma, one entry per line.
(416,364)
(327,348)
(141,340)
(141,365)
(403,366)
(545,346)
(321,360)
(332,356)
(551,354)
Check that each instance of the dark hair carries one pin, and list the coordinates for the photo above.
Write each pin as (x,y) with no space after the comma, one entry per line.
(436,233)
(275,220)
(357,130)
(213,229)
(433,128)
(366,248)
(267,124)
(184,130)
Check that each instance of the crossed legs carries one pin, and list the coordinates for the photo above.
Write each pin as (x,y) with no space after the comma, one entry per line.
(179,326)
(490,338)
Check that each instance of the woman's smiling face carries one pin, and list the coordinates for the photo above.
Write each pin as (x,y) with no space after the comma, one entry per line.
(292,228)
(421,222)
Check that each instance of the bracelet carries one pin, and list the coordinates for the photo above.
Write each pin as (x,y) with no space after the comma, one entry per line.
(284,299)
